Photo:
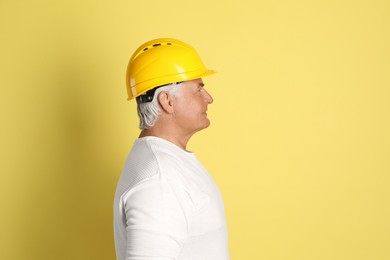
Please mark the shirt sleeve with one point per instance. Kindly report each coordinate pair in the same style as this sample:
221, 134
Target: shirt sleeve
157, 213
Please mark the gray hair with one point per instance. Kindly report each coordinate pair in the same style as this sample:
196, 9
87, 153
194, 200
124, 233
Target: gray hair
148, 112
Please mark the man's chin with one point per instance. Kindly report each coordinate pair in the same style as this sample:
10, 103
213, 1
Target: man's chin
207, 123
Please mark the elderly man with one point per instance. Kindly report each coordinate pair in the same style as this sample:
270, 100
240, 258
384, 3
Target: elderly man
167, 206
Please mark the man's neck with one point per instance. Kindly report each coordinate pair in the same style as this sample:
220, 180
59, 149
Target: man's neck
167, 135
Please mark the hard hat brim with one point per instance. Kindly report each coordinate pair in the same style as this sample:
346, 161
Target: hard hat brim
142, 87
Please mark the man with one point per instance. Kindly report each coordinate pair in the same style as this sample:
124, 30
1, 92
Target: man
167, 207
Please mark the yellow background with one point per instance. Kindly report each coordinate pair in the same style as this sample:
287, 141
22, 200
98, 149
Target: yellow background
299, 143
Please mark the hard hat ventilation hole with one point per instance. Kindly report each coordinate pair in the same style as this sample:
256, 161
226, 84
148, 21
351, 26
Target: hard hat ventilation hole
155, 45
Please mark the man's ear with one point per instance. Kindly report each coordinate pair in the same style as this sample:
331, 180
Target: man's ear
165, 101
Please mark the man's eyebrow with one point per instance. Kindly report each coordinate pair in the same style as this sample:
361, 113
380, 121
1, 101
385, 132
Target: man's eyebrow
201, 84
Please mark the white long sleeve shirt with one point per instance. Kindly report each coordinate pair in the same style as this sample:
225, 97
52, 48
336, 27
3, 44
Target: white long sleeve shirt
167, 206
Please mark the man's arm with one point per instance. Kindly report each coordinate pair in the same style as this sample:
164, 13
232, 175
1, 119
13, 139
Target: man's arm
157, 213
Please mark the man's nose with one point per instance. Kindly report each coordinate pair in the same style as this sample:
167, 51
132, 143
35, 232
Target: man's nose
209, 99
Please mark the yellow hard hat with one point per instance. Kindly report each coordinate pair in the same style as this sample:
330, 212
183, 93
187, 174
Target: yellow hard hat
160, 62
